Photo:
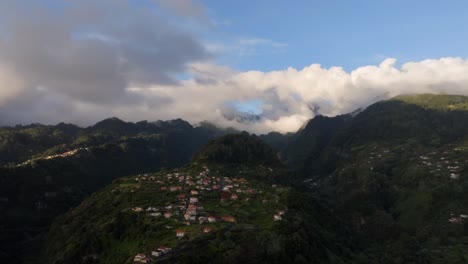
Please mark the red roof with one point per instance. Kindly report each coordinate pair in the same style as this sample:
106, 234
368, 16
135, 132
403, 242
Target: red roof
225, 195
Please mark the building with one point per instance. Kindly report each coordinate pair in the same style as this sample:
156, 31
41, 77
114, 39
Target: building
146, 260
206, 229
168, 214
155, 214
139, 257
277, 217
180, 233
175, 188
225, 195
229, 219
164, 249
186, 216
137, 209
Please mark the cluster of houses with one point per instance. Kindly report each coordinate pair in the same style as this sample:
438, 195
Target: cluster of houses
144, 258
190, 194
436, 162
65, 154
441, 164
61, 155
189, 191
376, 155
279, 216
457, 219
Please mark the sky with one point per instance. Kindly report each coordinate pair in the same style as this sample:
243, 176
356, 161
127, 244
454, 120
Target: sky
256, 65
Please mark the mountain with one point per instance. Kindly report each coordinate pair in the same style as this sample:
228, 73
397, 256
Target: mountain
21, 143
277, 140
53, 168
238, 149
307, 144
216, 210
436, 101
397, 173
387, 184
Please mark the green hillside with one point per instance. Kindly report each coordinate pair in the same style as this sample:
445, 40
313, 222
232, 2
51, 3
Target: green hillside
229, 210
435, 101
309, 142
397, 173
238, 149
386, 185
53, 168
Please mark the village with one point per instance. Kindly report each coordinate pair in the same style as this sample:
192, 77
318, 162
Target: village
48, 157
199, 203
444, 165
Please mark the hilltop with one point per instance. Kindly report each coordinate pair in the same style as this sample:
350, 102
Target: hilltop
220, 211
238, 148
436, 101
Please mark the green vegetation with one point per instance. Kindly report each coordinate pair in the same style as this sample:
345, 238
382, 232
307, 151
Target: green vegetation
386, 185
307, 145
53, 168
397, 173
437, 102
238, 149
128, 217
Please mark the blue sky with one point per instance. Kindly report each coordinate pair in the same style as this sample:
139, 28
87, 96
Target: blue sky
339, 33
81, 61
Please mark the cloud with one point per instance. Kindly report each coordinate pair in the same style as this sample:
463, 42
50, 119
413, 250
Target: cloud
83, 60
246, 47
290, 97
261, 42
90, 51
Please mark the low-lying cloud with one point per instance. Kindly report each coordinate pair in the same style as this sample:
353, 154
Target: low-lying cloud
61, 62
290, 97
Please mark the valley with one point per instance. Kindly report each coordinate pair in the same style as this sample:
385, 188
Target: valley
386, 185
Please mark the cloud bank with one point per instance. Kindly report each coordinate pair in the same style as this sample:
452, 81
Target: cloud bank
83, 60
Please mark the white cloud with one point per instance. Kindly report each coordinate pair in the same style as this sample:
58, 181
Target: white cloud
245, 47
120, 60
288, 96
261, 41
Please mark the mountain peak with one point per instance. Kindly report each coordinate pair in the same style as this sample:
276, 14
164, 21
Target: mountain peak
238, 148
435, 101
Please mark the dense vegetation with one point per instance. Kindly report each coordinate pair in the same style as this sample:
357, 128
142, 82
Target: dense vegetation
397, 173
58, 166
105, 229
239, 149
309, 142
387, 185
